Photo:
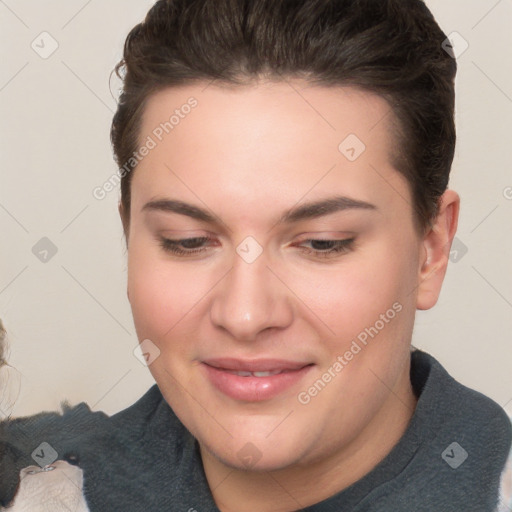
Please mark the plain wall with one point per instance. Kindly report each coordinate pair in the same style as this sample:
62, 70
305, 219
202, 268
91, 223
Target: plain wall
69, 324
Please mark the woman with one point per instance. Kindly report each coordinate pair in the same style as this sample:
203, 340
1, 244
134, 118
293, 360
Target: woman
284, 170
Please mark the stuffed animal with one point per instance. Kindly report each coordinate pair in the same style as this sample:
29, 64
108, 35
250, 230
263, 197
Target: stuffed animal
56, 487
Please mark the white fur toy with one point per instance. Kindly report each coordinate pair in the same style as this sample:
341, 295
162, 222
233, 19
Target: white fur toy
56, 487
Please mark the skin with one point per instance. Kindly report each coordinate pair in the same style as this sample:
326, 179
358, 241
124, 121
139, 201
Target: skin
247, 154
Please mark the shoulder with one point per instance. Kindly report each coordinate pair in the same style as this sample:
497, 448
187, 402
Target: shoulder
456, 407
459, 429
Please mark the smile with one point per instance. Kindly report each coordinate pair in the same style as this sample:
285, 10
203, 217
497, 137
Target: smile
254, 381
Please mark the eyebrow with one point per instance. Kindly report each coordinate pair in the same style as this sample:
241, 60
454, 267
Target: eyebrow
309, 210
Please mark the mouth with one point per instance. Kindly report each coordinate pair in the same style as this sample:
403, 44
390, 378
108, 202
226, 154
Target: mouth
254, 380
255, 374
255, 365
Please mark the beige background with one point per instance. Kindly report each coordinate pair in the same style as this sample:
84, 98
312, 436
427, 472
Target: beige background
70, 329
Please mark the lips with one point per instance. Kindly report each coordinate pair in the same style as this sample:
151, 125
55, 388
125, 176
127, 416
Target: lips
254, 380
255, 365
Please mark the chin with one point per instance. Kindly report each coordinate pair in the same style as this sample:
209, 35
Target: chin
251, 458
255, 450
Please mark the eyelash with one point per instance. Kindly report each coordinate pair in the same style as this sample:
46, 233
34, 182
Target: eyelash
340, 246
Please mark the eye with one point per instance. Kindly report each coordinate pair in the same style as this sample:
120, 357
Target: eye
328, 248
320, 248
188, 245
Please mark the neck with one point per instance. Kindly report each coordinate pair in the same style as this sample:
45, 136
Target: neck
294, 488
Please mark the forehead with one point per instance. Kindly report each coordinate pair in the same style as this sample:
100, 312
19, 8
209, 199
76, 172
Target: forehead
285, 138
293, 107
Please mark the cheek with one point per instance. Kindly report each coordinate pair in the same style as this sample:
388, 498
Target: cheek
169, 296
150, 299
369, 309
164, 295
370, 325
353, 295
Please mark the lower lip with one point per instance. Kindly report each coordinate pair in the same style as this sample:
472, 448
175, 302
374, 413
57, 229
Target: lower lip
253, 389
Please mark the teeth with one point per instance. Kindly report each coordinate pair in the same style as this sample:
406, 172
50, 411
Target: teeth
266, 374
255, 374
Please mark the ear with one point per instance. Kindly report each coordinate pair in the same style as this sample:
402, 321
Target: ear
435, 249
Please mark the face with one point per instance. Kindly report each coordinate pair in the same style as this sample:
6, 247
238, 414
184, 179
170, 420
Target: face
237, 264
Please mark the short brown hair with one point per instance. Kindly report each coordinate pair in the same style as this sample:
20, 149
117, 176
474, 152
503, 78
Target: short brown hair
389, 47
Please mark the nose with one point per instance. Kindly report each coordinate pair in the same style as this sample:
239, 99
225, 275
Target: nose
250, 299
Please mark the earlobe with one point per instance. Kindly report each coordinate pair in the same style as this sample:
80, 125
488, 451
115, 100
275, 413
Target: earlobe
436, 250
